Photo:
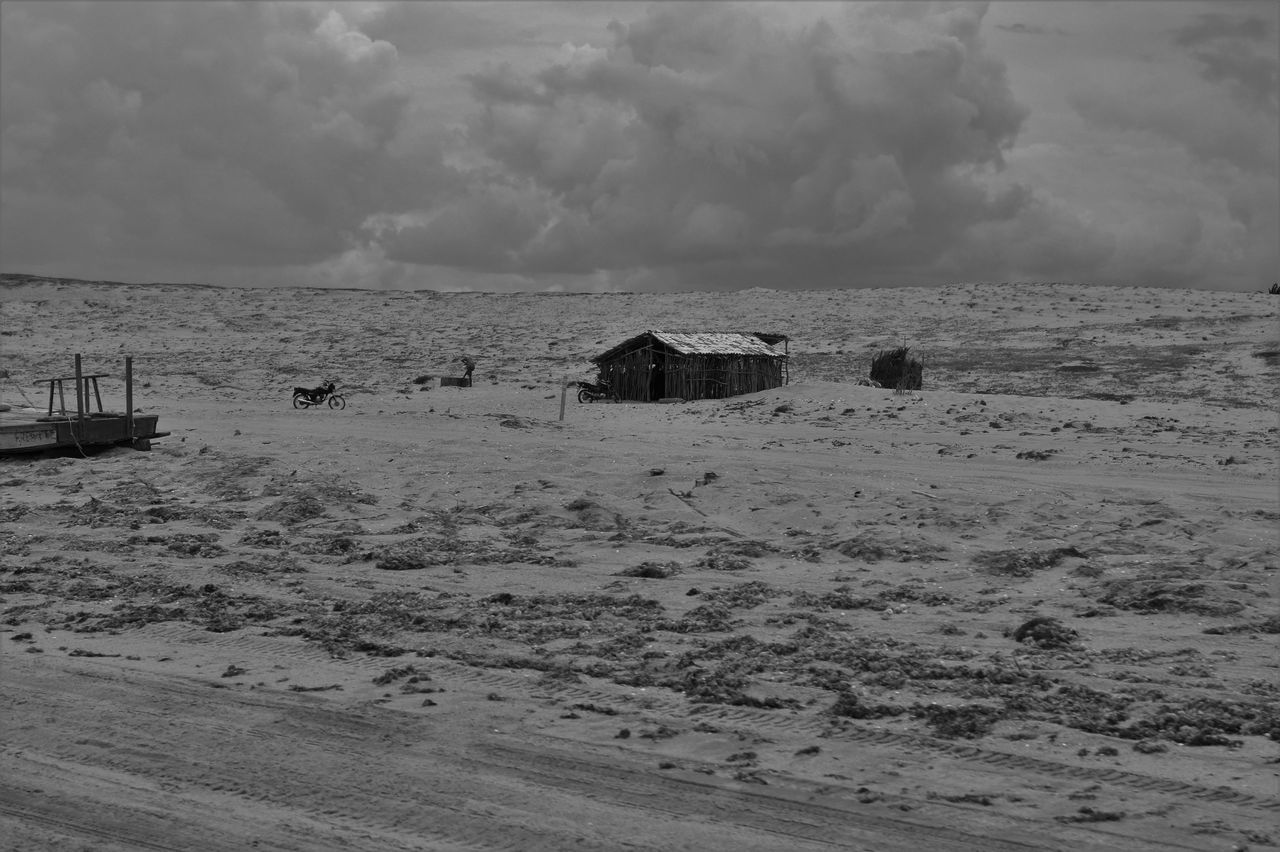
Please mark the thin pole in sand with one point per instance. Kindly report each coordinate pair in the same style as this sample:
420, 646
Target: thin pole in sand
80, 400
564, 386
128, 393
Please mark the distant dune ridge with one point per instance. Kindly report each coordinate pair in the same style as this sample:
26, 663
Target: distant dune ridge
1017, 338
1030, 605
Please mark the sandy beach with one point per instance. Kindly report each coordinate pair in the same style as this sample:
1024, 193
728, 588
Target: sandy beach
1032, 605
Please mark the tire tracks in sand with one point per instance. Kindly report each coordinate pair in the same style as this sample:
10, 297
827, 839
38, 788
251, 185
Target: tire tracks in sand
344, 764
664, 705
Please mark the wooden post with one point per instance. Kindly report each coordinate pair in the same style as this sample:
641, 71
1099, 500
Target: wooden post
128, 394
564, 388
80, 400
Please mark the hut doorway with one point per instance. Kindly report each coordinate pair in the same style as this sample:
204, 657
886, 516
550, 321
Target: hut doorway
657, 377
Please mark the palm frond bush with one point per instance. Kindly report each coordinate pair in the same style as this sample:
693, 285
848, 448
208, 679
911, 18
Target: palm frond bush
895, 368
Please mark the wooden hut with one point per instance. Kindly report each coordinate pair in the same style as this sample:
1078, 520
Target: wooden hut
662, 365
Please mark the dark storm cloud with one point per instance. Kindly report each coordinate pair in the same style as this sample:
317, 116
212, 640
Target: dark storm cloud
727, 151
687, 145
1031, 29
1212, 26
1237, 52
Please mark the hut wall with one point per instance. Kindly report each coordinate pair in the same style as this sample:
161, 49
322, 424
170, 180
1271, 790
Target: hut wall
689, 376
720, 376
629, 374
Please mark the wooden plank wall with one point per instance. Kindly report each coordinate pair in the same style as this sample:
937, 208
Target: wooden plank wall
629, 374
691, 376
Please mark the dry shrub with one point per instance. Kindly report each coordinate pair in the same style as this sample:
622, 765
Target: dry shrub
1206, 722
207, 606
895, 368
718, 560
751, 548
744, 595
258, 537
849, 706
133, 493
293, 509
970, 721
706, 618
1141, 595
869, 549
402, 562
241, 568
592, 516
1271, 625
1022, 563
394, 674
1088, 814
1045, 632
652, 570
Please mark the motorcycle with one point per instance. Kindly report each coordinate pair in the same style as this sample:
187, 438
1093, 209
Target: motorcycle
596, 391
308, 397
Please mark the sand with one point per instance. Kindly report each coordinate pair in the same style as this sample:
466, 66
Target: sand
1030, 606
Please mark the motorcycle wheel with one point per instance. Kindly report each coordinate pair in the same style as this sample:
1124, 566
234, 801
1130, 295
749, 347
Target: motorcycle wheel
584, 395
337, 403
300, 401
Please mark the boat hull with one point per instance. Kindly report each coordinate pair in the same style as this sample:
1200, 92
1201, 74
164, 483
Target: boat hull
42, 434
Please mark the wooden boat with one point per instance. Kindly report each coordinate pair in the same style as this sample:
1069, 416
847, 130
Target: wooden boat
57, 428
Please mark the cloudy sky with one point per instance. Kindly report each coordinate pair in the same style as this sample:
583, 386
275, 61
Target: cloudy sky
596, 146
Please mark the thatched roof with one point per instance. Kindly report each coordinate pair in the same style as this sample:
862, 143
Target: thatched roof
706, 343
